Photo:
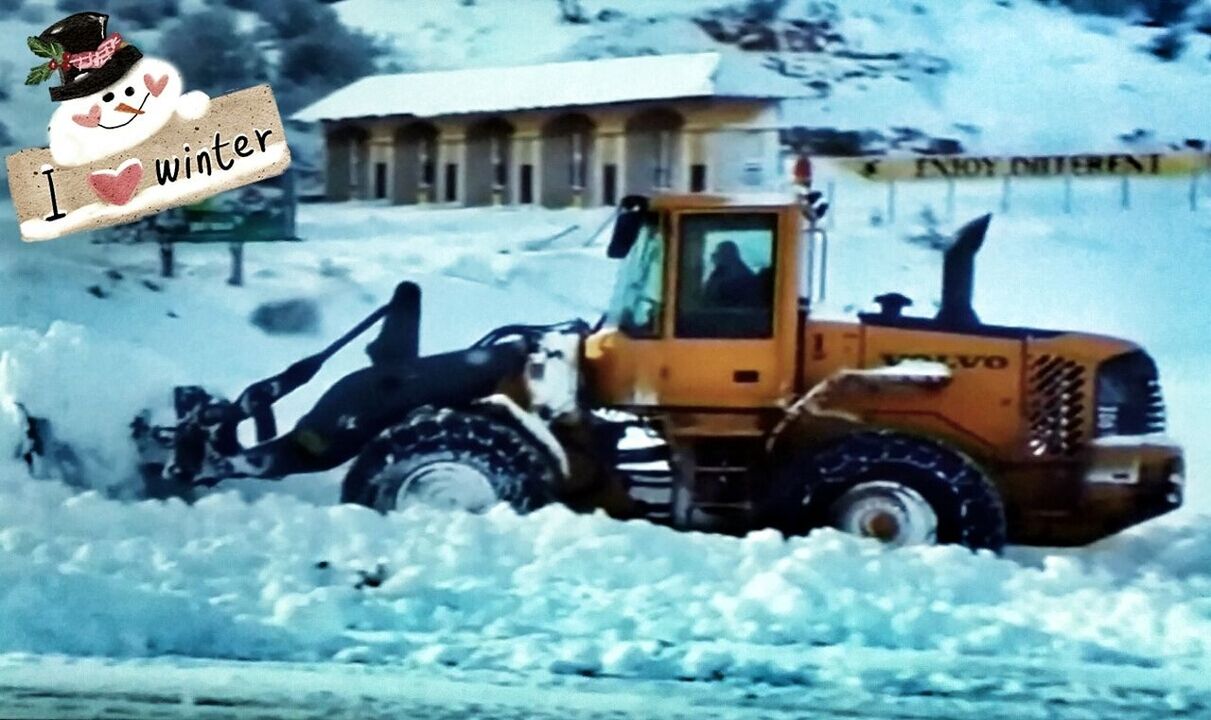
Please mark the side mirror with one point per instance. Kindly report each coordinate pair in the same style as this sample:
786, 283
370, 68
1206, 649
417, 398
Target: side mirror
632, 214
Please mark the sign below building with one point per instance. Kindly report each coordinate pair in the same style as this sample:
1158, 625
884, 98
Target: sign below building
976, 167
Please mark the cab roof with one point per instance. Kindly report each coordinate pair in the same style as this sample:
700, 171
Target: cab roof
678, 201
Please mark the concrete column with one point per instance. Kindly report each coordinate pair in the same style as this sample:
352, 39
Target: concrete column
620, 159
460, 157
535, 159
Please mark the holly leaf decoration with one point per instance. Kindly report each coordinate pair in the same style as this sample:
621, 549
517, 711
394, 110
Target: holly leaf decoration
39, 74
44, 48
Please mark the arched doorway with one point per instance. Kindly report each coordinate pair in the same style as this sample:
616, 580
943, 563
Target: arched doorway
415, 163
347, 173
653, 142
567, 160
488, 162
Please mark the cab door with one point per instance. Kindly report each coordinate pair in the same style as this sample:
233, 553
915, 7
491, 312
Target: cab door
729, 336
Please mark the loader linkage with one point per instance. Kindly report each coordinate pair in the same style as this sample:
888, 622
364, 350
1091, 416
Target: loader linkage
203, 447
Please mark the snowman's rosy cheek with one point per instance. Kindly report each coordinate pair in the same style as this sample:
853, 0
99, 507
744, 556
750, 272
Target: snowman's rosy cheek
155, 86
92, 119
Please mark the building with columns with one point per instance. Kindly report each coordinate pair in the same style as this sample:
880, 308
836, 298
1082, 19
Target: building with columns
560, 134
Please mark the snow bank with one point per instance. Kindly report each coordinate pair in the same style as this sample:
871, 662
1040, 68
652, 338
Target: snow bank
90, 387
559, 592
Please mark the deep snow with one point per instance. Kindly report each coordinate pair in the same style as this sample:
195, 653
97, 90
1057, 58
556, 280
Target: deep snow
272, 571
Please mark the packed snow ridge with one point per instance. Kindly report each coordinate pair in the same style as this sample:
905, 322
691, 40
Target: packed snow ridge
283, 579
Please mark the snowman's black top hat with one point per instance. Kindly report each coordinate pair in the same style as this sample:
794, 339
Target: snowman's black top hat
80, 35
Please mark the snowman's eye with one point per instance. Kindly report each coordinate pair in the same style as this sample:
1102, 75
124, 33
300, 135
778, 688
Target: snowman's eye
130, 91
107, 97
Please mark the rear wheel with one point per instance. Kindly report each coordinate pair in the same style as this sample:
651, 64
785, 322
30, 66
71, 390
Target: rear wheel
452, 458
896, 488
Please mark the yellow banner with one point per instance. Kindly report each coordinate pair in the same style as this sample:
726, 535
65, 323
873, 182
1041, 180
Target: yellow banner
976, 167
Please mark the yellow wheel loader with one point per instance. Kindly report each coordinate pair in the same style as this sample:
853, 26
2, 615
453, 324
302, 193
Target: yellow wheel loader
708, 397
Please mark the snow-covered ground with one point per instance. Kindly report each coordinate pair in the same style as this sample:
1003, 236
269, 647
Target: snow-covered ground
272, 571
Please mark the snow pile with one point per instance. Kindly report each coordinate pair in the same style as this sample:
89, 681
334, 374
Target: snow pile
90, 388
559, 592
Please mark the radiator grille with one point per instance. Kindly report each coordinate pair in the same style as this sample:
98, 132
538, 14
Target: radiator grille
1154, 415
1057, 403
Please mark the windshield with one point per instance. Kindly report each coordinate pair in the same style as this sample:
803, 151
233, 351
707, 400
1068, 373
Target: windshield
635, 305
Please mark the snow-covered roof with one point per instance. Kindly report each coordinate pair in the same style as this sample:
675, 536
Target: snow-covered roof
565, 84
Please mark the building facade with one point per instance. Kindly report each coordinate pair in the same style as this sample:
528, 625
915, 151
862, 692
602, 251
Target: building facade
558, 135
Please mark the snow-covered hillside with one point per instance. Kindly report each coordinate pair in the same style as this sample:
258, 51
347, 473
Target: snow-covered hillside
1005, 76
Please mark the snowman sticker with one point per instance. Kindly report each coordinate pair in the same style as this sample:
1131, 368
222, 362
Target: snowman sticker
112, 97
127, 139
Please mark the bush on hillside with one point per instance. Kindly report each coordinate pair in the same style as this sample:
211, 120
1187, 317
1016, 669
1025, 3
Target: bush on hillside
212, 54
126, 13
1156, 12
319, 55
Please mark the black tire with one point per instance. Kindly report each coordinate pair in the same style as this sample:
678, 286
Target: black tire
521, 471
804, 488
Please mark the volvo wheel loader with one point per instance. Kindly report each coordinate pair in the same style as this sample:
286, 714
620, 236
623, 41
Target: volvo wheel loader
709, 397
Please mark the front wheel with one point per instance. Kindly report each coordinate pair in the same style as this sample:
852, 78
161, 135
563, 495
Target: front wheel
899, 489
466, 460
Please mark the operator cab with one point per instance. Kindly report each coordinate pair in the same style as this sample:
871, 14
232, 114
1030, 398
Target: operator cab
724, 279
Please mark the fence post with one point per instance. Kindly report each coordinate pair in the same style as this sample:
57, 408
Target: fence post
1067, 194
1005, 195
166, 258
237, 263
950, 199
891, 201
1125, 195
831, 190
1195, 179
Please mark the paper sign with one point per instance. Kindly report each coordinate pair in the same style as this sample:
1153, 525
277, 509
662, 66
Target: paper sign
239, 140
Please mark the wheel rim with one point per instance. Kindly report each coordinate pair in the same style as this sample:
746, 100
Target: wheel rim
447, 485
890, 512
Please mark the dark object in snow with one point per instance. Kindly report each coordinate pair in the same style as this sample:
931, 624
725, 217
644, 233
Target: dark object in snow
941, 146
287, 317
572, 12
113, 274
153, 286
97, 291
371, 579
1168, 46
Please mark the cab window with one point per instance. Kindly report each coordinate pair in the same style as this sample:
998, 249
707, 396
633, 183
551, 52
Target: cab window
725, 278
635, 307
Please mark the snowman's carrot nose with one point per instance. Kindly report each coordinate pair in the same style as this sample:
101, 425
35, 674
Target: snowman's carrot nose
123, 107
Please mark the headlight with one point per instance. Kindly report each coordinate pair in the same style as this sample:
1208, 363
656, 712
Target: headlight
1129, 400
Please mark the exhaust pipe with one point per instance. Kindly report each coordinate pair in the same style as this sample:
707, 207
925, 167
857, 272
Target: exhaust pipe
958, 275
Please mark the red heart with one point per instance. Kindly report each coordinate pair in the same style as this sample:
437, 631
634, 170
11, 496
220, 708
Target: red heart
92, 119
117, 187
155, 87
